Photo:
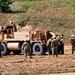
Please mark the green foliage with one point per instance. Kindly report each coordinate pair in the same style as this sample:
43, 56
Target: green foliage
26, 5
4, 6
73, 4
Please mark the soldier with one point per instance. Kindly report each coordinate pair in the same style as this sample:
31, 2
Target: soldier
49, 45
54, 44
61, 46
26, 48
14, 26
72, 40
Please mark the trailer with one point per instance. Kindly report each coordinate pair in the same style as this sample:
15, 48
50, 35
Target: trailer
12, 40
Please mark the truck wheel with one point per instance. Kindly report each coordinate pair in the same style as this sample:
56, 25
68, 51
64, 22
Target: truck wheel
3, 49
37, 49
17, 52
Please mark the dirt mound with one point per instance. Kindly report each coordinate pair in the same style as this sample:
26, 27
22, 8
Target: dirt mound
29, 27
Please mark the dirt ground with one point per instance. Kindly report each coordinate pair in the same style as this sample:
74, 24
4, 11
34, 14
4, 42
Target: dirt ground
45, 64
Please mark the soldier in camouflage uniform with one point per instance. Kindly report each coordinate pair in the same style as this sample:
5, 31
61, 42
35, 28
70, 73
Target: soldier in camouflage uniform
54, 44
72, 40
26, 47
49, 45
61, 46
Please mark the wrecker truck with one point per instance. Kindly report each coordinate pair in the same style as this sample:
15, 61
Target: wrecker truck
12, 40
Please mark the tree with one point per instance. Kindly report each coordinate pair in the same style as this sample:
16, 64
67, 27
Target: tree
4, 6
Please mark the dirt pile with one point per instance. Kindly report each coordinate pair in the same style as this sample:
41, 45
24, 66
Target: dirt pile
29, 27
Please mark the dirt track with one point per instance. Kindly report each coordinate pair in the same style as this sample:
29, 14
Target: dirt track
13, 64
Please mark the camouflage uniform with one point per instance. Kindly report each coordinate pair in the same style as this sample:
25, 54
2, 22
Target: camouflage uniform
49, 46
26, 48
73, 44
54, 45
62, 45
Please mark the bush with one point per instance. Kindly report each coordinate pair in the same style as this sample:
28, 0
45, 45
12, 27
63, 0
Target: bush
73, 4
26, 5
4, 6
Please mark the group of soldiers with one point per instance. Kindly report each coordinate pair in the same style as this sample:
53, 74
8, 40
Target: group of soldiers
55, 45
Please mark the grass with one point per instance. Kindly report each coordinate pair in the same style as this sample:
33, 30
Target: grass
38, 5
57, 15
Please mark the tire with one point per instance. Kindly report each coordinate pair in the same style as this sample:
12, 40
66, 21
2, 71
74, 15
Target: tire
37, 49
16, 52
3, 49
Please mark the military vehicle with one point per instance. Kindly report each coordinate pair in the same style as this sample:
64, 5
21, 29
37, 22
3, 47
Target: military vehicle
12, 40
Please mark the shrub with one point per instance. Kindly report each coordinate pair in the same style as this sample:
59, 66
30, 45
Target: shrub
73, 4
4, 6
26, 5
